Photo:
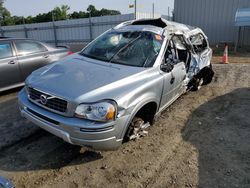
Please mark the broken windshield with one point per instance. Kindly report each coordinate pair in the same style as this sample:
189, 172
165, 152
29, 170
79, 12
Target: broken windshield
137, 48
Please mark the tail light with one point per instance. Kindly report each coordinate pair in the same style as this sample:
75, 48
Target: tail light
69, 53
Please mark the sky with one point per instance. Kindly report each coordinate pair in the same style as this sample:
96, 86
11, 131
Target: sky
34, 7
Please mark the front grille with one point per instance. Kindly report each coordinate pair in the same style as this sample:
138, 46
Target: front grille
50, 101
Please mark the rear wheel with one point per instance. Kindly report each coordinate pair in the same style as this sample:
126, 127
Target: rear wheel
208, 75
198, 83
204, 77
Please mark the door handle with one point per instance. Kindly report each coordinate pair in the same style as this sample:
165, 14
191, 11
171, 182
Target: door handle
172, 80
12, 62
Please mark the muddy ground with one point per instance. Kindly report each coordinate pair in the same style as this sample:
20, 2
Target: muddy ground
202, 140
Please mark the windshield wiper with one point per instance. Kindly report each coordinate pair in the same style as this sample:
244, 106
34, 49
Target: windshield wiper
124, 47
94, 57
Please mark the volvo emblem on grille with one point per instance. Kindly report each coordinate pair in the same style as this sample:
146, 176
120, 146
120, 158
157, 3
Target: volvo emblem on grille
43, 99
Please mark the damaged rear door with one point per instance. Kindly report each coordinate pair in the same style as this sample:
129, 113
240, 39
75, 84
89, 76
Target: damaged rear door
202, 54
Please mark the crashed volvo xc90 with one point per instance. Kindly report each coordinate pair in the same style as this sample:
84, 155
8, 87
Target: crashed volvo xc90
114, 88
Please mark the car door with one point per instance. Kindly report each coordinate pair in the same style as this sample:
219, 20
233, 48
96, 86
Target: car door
180, 68
206, 53
31, 56
168, 90
202, 53
9, 68
179, 74
172, 80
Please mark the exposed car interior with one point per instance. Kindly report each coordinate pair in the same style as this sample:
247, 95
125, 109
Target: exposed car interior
199, 43
177, 51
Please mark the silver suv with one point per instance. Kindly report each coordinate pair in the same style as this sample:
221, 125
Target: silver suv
114, 88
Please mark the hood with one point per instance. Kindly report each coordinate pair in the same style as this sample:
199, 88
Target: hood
77, 75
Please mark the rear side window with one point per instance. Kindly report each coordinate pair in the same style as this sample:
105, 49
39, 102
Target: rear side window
199, 43
29, 47
5, 50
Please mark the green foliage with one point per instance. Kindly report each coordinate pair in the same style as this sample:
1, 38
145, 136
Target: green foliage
58, 13
103, 12
5, 15
61, 13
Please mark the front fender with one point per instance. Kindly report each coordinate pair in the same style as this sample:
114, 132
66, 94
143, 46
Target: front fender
132, 102
135, 109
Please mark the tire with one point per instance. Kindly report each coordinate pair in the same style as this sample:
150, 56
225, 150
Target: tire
136, 122
204, 77
208, 75
197, 83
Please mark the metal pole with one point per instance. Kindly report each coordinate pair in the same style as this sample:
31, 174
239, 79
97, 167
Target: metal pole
25, 29
168, 13
1, 29
242, 37
1, 18
2, 32
135, 9
153, 10
237, 39
54, 29
239, 36
90, 27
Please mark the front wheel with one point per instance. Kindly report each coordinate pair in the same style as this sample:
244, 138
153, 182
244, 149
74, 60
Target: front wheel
137, 128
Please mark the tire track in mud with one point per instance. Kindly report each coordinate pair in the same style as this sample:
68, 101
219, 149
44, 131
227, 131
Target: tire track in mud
158, 179
168, 163
178, 147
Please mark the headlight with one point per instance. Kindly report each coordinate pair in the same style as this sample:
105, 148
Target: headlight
101, 111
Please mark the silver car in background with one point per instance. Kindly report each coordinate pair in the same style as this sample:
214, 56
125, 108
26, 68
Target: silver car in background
20, 57
113, 89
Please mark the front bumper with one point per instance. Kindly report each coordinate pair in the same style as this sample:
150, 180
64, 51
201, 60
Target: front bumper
99, 136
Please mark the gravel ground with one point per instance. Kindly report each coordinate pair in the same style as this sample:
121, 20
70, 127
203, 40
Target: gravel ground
202, 140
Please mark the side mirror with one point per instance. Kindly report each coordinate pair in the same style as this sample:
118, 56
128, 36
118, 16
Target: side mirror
167, 67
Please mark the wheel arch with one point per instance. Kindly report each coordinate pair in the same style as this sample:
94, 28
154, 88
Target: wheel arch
139, 109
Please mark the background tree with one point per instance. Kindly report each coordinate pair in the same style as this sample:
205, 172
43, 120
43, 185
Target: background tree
80, 14
106, 12
5, 15
92, 10
59, 13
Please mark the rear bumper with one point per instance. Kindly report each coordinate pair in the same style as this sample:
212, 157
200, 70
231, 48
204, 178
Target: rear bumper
99, 136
